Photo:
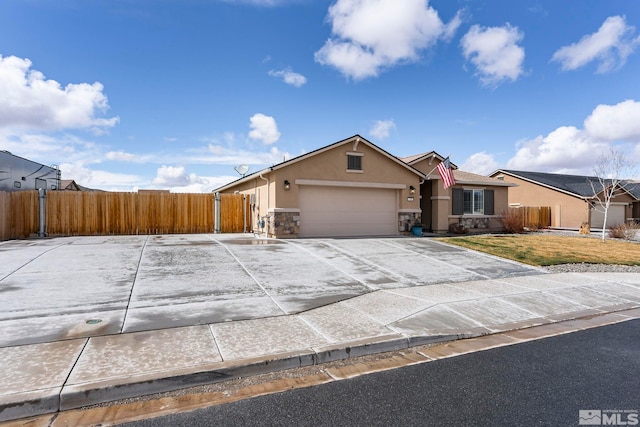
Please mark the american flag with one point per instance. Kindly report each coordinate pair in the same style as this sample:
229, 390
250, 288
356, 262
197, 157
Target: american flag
444, 169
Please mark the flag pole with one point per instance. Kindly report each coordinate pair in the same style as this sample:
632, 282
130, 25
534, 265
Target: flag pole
429, 174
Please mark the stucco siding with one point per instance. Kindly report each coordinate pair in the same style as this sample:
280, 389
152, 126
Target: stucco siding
567, 211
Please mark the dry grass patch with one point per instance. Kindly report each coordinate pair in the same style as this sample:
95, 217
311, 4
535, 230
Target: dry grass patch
541, 250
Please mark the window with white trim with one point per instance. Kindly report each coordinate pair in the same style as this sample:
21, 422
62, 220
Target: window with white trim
473, 202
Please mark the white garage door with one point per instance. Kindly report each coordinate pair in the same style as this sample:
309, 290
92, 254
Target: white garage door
615, 216
339, 211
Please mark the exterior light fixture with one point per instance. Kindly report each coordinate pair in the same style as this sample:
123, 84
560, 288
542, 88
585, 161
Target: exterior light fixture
412, 189
287, 185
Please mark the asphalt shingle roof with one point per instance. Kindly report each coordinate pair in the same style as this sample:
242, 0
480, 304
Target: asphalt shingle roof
579, 185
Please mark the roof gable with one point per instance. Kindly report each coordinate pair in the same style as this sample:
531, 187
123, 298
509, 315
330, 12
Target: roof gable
354, 141
431, 155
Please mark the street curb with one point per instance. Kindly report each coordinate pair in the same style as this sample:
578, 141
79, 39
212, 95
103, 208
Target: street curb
74, 396
80, 395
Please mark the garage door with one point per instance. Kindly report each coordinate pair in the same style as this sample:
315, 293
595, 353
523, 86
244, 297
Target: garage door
339, 211
615, 216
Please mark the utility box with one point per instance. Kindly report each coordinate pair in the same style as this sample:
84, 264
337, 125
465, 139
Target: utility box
19, 174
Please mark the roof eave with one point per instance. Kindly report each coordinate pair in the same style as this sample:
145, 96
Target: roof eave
551, 187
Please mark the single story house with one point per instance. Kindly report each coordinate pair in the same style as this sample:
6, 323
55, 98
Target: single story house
72, 185
355, 188
571, 197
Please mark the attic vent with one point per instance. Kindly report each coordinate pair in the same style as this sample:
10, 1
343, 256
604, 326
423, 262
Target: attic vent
354, 162
500, 177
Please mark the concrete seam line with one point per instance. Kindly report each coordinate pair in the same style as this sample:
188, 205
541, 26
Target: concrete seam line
436, 260
33, 259
64, 383
135, 277
373, 288
249, 273
313, 328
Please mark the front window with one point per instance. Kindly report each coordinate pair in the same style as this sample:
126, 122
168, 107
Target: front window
473, 202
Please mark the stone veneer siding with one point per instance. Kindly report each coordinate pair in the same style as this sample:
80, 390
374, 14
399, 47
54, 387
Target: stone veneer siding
406, 221
475, 222
285, 224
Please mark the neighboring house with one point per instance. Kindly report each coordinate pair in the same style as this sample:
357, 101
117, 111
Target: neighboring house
571, 198
71, 185
18, 174
355, 188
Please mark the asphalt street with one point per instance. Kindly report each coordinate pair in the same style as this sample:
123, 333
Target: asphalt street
548, 382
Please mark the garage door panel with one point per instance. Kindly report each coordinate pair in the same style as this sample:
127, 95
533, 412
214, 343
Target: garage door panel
615, 216
337, 211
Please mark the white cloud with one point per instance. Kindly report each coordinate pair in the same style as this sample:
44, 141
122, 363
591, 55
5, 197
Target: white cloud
565, 150
29, 101
381, 128
171, 176
99, 179
620, 122
480, 163
264, 128
609, 46
231, 156
120, 156
370, 35
289, 77
495, 53
202, 184
177, 180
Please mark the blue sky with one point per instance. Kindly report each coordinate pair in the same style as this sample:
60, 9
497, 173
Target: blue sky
129, 94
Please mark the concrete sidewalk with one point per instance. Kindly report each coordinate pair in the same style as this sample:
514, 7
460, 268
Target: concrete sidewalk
51, 376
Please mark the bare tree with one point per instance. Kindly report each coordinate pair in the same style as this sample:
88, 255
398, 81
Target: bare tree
610, 170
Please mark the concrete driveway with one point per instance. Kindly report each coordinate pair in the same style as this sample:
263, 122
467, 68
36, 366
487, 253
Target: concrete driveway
74, 287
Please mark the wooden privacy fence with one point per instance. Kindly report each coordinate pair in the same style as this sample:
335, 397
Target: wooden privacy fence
534, 216
73, 213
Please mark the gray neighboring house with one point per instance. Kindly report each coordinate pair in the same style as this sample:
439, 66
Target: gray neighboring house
571, 197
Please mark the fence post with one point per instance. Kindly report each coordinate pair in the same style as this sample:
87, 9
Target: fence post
42, 212
216, 226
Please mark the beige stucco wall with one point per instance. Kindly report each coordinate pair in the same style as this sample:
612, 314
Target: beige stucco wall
566, 211
441, 213
329, 165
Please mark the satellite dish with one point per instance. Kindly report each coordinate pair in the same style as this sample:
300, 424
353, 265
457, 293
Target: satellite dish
242, 169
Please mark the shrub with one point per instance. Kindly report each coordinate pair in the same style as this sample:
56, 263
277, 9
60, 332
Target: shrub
512, 221
458, 229
624, 231
585, 228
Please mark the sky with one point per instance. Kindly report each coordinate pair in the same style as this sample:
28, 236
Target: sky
174, 94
